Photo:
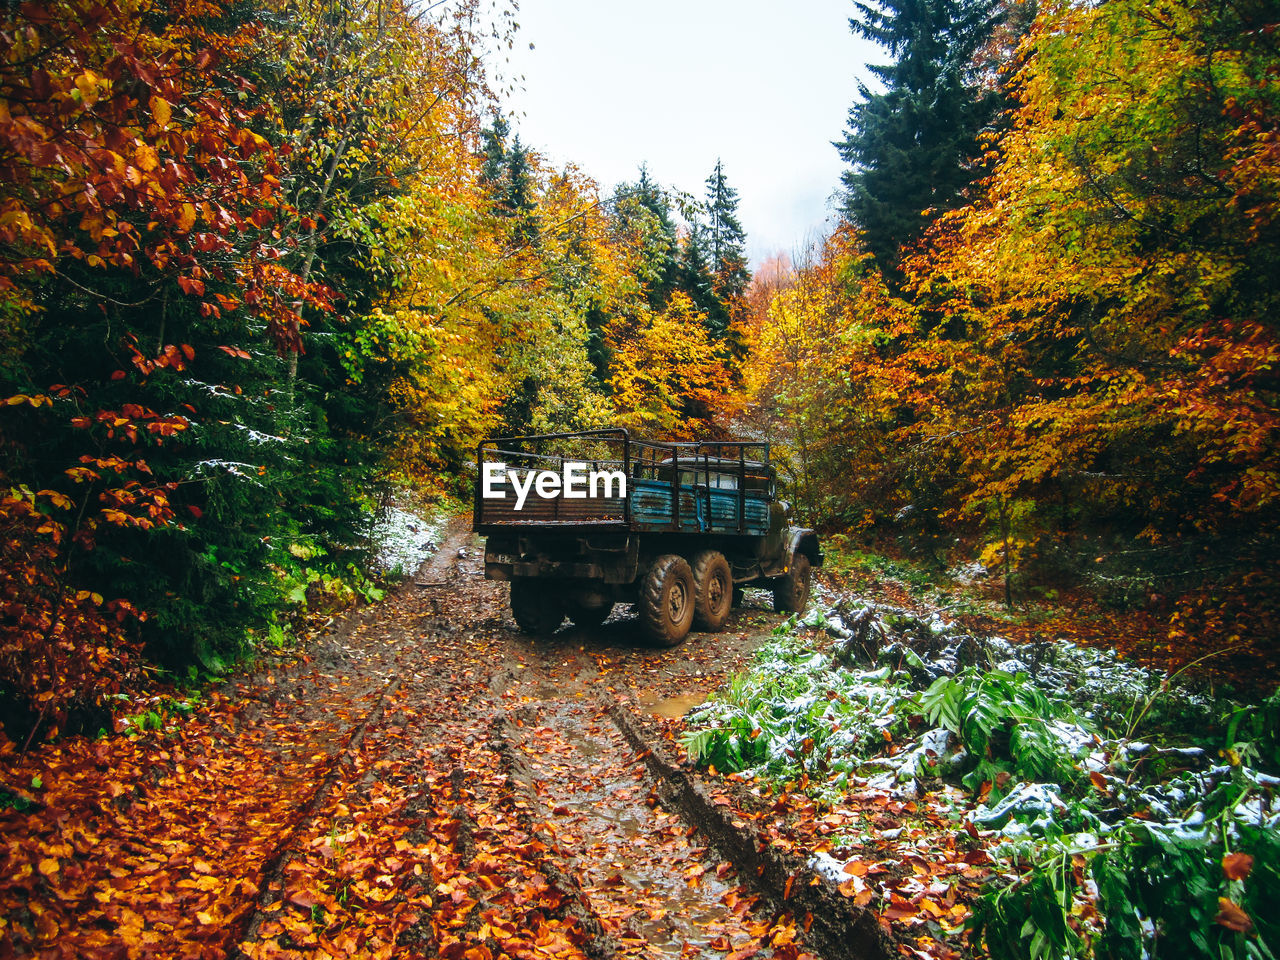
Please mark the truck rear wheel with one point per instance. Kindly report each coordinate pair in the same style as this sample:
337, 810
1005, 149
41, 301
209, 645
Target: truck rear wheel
667, 600
791, 591
537, 607
714, 582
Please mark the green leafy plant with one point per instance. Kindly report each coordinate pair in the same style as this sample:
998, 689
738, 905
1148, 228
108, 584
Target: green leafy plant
998, 716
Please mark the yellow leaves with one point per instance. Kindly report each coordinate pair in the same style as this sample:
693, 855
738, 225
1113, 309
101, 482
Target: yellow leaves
88, 85
146, 159
16, 217
59, 500
161, 112
668, 375
186, 217
37, 401
48, 866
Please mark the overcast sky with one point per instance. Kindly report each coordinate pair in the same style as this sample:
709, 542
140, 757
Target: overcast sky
765, 86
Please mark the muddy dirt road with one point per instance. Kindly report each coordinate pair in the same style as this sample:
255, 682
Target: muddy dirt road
504, 764
421, 781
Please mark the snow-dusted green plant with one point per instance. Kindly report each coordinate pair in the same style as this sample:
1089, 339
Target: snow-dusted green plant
1004, 720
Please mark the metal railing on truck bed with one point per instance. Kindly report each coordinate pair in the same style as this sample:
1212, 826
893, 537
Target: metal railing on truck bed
605, 479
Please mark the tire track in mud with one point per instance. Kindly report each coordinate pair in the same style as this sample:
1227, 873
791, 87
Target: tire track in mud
273, 869
834, 925
655, 890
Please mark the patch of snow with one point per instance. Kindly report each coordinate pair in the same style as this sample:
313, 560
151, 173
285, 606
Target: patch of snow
1037, 800
257, 436
1074, 738
403, 540
245, 471
968, 573
825, 865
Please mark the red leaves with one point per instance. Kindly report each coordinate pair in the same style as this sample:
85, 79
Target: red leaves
65, 649
60, 648
171, 871
191, 286
124, 115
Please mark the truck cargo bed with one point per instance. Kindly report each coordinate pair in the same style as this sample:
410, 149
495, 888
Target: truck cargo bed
723, 488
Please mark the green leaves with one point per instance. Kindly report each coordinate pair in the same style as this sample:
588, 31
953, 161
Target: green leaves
796, 714
1000, 715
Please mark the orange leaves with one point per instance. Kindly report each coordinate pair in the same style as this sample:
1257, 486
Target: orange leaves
171, 868
1232, 917
191, 286
1236, 866
64, 648
121, 183
184, 220
1070, 350
161, 112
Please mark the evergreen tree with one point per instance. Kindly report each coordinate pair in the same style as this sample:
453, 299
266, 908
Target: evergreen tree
726, 239
495, 150
519, 200
727, 246
913, 146
509, 175
643, 210
696, 280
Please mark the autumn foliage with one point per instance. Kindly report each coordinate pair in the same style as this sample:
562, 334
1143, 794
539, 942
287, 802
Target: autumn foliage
1078, 372
131, 178
260, 262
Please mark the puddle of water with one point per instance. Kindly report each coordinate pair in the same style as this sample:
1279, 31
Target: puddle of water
673, 708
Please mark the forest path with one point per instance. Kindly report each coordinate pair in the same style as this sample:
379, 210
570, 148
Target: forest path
515, 816
544, 829
422, 781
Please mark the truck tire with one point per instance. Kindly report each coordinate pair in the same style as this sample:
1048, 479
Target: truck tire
589, 616
537, 607
791, 591
667, 599
713, 580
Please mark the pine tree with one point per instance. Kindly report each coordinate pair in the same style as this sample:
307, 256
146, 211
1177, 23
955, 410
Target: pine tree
519, 200
495, 150
725, 236
643, 210
696, 279
727, 247
913, 146
509, 175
